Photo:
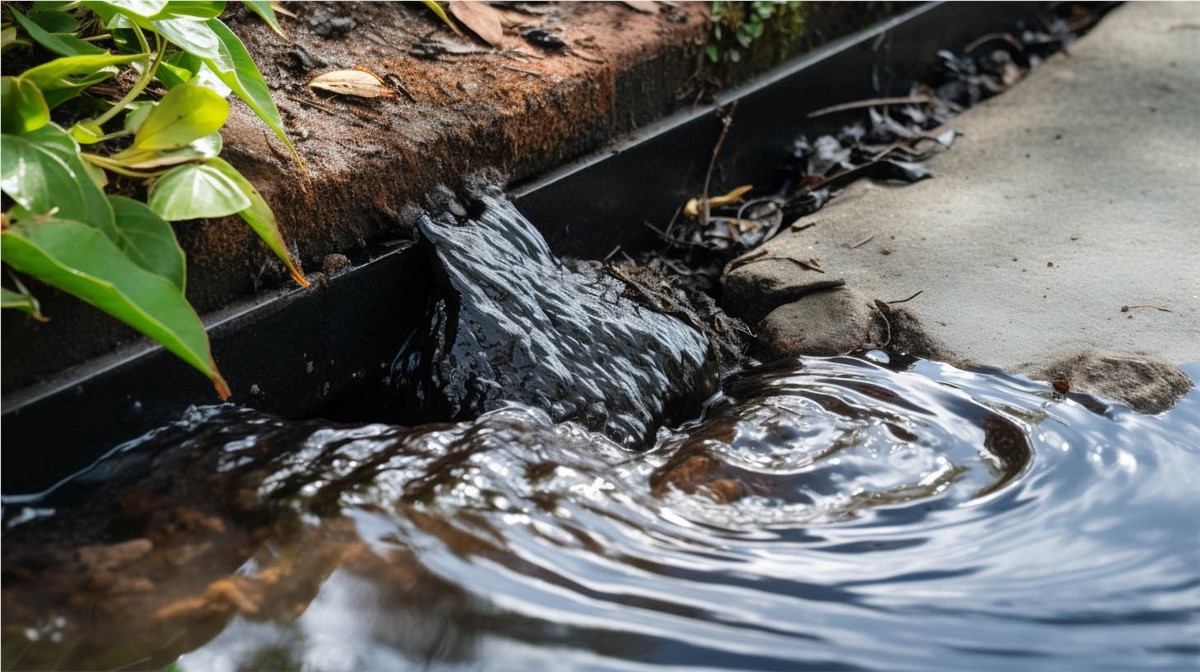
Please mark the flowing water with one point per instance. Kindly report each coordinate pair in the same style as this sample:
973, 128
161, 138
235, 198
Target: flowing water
823, 513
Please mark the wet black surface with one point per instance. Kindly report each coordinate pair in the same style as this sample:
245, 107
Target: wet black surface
510, 322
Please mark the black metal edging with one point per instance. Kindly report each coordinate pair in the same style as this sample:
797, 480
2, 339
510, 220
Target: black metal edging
296, 351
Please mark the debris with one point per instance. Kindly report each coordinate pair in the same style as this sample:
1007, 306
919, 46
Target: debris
359, 83
692, 208
642, 6
540, 37
862, 242
1126, 309
480, 18
871, 102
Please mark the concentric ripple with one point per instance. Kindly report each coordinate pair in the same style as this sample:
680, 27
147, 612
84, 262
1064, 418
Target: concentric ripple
833, 514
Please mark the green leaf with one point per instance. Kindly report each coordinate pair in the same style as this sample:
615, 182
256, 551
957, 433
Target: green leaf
53, 21
43, 173
87, 132
186, 113
436, 8
172, 75
80, 260
195, 191
192, 35
8, 38
74, 71
196, 8
143, 9
263, 9
63, 45
136, 113
24, 108
260, 218
200, 150
235, 67
21, 301
149, 241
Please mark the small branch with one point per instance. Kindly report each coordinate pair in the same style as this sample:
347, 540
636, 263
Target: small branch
712, 162
862, 242
870, 102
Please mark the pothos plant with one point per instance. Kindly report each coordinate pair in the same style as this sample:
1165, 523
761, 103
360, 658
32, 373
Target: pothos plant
112, 251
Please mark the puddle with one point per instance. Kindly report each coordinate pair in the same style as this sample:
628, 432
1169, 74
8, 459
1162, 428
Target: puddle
823, 513
834, 514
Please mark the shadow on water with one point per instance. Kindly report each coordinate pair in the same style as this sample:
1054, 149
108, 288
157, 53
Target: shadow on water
842, 513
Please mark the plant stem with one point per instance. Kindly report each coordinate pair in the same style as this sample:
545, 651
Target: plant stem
108, 164
148, 70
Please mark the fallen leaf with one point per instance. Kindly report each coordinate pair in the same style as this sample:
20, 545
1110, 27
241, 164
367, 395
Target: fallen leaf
643, 6
360, 83
1061, 385
692, 209
480, 18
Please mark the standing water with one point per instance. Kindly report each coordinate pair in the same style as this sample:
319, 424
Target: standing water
827, 514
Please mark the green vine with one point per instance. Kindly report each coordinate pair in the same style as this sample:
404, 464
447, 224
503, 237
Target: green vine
60, 226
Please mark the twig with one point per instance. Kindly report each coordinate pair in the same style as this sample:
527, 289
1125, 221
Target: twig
311, 104
891, 303
1126, 309
871, 102
712, 162
531, 73
862, 242
1004, 37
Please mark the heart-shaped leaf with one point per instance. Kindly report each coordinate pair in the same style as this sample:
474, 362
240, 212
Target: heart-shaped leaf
43, 173
186, 113
260, 218
149, 241
23, 108
195, 191
80, 260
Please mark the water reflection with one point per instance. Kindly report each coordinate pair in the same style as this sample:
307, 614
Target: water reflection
835, 514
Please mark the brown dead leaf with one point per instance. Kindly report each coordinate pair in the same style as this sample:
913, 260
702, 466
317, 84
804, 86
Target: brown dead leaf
359, 83
480, 18
643, 6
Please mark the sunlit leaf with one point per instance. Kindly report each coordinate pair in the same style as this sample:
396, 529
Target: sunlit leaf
21, 301
194, 8
136, 113
260, 218
8, 38
235, 67
195, 191
73, 71
24, 108
63, 45
148, 240
42, 171
186, 113
358, 83
81, 261
192, 35
200, 149
86, 132
436, 8
264, 10
144, 9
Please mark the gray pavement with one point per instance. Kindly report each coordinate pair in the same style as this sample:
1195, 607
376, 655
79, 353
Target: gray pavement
1070, 196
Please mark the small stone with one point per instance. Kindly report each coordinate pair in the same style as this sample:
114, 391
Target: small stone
831, 322
1144, 383
755, 289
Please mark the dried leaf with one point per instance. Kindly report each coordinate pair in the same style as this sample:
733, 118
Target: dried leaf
643, 6
360, 83
480, 18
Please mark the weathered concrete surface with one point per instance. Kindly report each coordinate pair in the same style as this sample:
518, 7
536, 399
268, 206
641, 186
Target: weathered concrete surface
1068, 198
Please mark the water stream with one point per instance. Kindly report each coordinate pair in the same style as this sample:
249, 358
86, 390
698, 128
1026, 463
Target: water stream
854, 513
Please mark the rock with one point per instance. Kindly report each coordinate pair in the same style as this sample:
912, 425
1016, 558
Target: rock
1145, 383
831, 322
758, 287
